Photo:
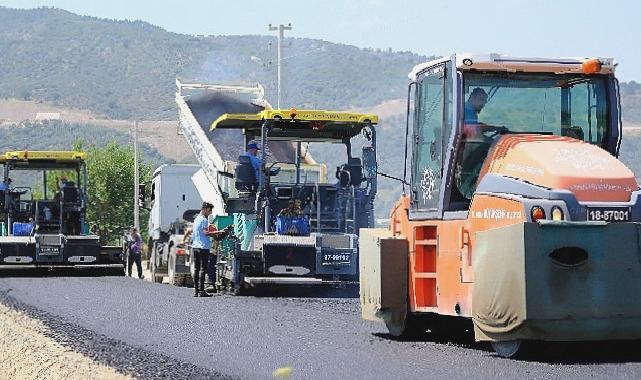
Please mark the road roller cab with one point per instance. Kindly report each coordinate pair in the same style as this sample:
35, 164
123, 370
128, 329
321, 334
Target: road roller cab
517, 213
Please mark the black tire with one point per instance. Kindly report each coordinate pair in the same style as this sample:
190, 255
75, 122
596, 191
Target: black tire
125, 259
229, 287
236, 289
414, 326
178, 280
154, 276
507, 348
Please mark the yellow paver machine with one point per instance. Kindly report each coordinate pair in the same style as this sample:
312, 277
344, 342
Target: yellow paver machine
43, 204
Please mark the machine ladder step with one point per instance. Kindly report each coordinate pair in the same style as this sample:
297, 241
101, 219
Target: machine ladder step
425, 266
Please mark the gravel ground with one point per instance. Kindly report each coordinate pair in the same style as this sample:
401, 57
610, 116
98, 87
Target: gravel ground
27, 351
56, 349
250, 337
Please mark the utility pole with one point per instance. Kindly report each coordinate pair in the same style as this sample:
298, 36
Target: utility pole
281, 35
136, 208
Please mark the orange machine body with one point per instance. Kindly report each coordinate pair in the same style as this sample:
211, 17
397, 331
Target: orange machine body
519, 216
440, 271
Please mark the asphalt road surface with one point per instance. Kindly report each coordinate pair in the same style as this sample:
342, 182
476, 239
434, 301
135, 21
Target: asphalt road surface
159, 331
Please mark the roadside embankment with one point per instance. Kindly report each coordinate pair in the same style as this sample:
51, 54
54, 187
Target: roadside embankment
27, 352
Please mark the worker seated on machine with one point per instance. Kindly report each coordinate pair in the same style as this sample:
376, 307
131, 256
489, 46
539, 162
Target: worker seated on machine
473, 106
252, 153
474, 151
472, 128
4, 188
67, 191
14, 196
350, 174
67, 200
248, 169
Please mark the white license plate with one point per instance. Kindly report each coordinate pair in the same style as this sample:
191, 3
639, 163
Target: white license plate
336, 258
609, 214
49, 250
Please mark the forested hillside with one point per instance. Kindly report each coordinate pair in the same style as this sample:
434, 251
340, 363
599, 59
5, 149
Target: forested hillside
51, 135
631, 101
631, 152
126, 69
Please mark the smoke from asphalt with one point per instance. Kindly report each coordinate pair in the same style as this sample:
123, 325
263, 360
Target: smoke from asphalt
208, 107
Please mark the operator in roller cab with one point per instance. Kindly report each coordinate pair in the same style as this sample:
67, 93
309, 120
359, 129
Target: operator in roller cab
293, 225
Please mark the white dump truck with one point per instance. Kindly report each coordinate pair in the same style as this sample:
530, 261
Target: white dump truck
177, 192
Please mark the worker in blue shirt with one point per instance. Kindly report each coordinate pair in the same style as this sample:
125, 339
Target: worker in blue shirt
200, 247
5, 186
473, 106
252, 153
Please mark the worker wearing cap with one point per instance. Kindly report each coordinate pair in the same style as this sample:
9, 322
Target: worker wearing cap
252, 153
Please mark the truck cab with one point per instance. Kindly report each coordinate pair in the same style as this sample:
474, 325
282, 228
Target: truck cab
177, 192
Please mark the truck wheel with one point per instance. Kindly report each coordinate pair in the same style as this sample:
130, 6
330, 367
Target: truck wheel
126, 265
154, 276
234, 289
237, 290
177, 280
506, 348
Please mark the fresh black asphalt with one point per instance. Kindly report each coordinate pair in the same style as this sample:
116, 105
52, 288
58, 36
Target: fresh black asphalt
159, 331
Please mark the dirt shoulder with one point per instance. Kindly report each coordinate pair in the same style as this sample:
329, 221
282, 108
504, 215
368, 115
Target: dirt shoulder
26, 352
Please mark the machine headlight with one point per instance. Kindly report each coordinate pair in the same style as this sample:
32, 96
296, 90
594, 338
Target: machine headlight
557, 213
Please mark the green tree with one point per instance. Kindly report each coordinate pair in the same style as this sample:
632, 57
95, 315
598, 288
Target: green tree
111, 189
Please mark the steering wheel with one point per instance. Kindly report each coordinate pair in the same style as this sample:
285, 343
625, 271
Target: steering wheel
491, 131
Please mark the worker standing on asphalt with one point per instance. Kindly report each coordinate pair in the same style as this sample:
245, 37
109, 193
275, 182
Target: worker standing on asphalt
200, 246
135, 249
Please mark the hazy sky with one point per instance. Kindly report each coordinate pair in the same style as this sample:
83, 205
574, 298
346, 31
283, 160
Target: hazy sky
524, 28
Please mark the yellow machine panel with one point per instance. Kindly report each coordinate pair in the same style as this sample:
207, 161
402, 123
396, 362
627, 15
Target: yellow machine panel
61, 156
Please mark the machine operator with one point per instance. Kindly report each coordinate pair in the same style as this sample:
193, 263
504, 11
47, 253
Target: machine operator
252, 153
473, 106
